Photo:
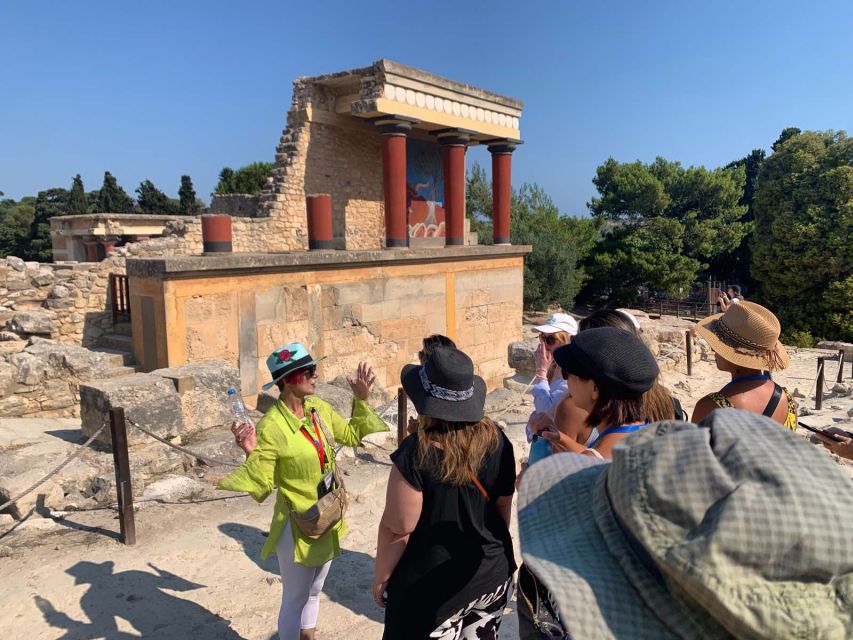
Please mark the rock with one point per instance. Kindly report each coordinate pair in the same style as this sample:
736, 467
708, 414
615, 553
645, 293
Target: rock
58, 292
31, 369
842, 389
847, 347
520, 356
850, 412
796, 393
13, 406
499, 399
78, 362
804, 411
148, 400
202, 388
174, 489
376, 398
16, 263
8, 336
8, 379
33, 322
43, 279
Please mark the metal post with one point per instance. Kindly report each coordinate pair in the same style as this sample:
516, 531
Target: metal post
402, 417
818, 399
840, 376
689, 344
118, 431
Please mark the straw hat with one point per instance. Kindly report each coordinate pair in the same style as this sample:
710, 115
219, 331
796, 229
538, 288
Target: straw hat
747, 334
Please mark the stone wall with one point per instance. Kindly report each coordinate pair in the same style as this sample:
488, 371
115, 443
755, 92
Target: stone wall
240, 205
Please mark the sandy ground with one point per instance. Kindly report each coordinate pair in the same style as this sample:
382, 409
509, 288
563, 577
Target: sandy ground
195, 571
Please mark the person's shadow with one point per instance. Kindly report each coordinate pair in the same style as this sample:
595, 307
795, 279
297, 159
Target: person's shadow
138, 598
350, 579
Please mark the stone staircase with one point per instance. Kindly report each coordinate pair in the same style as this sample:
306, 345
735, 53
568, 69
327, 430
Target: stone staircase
119, 345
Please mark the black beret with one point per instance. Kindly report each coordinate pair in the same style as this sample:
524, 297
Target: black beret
613, 358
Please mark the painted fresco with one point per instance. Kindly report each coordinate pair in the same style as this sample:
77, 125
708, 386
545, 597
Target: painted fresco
424, 189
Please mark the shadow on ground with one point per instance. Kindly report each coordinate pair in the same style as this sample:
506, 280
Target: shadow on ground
350, 577
137, 597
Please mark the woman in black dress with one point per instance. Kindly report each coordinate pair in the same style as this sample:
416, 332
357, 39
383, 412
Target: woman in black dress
444, 559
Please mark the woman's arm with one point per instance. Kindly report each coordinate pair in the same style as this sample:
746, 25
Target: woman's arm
403, 505
702, 409
255, 475
504, 506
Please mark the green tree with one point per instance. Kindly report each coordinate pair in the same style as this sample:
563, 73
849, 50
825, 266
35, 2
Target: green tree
802, 258
15, 221
151, 200
49, 203
250, 179
77, 202
188, 205
478, 203
112, 198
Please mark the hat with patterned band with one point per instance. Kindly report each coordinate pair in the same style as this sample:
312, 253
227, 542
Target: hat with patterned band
286, 359
445, 387
747, 334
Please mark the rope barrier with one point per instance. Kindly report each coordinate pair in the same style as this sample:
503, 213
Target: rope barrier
518, 397
206, 459
56, 470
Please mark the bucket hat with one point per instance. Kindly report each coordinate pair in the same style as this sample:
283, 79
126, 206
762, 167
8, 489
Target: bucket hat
732, 527
747, 334
559, 322
445, 386
286, 359
612, 357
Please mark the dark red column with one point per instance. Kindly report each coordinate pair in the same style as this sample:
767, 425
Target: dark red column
319, 208
501, 189
216, 233
453, 144
394, 131
92, 251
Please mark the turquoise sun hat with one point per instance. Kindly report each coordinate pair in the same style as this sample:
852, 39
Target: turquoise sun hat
286, 359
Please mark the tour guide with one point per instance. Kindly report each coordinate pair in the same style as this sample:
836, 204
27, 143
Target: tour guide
294, 450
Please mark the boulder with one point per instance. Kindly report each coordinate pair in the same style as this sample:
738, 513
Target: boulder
13, 406
837, 346
78, 362
16, 263
33, 322
174, 489
149, 401
8, 379
520, 356
377, 397
58, 292
202, 388
30, 369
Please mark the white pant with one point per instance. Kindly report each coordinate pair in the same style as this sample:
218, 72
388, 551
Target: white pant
301, 586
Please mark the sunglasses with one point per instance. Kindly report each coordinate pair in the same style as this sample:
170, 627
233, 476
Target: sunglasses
547, 338
295, 377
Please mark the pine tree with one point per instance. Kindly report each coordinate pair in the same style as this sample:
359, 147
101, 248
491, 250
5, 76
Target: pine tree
77, 202
188, 205
112, 198
152, 200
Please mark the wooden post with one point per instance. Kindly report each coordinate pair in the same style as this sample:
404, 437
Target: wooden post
689, 344
818, 398
660, 311
118, 431
402, 417
840, 376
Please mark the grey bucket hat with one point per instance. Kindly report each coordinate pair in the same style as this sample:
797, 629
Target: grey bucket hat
734, 527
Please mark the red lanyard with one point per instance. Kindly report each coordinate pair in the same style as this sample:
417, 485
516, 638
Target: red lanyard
318, 443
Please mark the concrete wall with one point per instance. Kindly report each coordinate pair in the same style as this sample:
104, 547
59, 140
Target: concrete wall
349, 313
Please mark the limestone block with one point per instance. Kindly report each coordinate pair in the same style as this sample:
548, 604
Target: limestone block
148, 400
77, 362
13, 406
33, 322
396, 288
16, 263
175, 488
31, 369
59, 291
520, 355
202, 387
8, 379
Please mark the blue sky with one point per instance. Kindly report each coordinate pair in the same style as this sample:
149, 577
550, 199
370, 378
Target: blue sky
151, 90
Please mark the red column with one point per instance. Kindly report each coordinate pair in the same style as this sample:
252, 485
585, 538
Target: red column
92, 251
216, 233
501, 189
394, 133
319, 221
453, 146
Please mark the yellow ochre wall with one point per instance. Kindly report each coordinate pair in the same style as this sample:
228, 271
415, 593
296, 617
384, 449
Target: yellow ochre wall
375, 313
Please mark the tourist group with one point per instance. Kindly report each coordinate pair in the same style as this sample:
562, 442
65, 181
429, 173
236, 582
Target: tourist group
635, 520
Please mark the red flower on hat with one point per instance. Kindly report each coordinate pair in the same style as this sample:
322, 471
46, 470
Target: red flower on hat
284, 355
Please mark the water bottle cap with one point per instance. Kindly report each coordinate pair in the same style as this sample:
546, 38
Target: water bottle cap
232, 391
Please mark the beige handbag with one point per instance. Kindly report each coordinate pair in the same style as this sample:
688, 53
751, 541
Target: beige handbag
324, 514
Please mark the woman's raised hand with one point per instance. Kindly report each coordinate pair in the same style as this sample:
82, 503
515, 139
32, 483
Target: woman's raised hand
364, 379
542, 359
244, 434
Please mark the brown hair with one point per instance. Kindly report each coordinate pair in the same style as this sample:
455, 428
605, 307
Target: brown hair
657, 403
610, 412
608, 318
561, 338
454, 451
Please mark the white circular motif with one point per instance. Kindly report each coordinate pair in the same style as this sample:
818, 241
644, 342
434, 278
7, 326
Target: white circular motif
399, 94
480, 114
439, 104
430, 101
389, 91
420, 99
488, 117
410, 97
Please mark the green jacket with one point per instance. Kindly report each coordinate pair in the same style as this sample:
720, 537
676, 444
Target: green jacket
286, 459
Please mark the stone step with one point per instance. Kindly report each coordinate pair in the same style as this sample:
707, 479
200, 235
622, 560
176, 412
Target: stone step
116, 341
122, 328
119, 356
117, 372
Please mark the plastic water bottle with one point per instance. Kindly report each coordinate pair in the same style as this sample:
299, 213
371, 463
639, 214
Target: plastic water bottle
539, 449
238, 408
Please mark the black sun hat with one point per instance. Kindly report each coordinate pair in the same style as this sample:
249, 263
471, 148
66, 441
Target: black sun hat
612, 357
445, 386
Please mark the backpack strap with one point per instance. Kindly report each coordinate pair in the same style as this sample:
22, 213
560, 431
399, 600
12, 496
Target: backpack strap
479, 485
770, 409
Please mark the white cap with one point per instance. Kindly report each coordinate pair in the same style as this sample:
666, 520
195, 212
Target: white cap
630, 317
559, 322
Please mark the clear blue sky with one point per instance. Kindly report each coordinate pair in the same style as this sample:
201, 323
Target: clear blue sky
154, 89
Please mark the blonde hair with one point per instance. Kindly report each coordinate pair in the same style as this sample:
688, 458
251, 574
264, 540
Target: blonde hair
657, 403
454, 451
561, 338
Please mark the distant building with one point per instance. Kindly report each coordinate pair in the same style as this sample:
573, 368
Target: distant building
91, 237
